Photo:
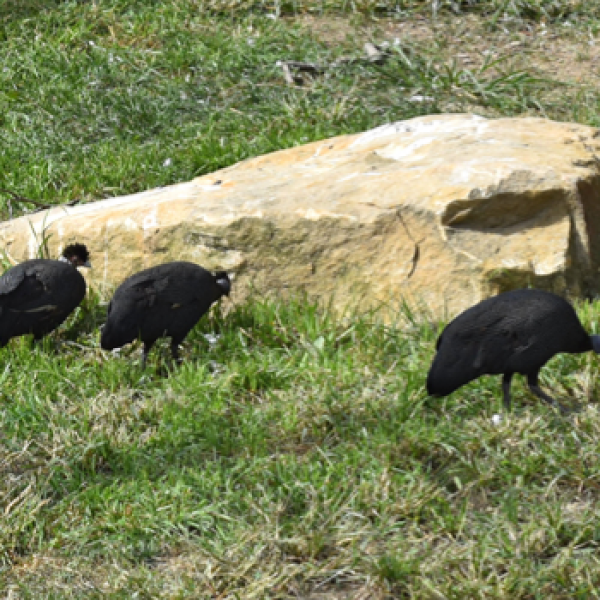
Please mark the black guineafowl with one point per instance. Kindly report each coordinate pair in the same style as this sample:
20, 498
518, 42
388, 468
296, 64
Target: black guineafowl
37, 295
163, 301
514, 332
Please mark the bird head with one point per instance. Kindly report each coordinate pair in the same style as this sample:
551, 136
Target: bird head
223, 282
77, 255
595, 343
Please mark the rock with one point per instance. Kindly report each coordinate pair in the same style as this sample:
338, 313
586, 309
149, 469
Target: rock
438, 211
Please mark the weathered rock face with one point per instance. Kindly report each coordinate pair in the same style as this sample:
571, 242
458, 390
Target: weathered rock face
440, 211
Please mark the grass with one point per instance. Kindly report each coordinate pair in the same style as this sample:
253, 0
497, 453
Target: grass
295, 453
100, 99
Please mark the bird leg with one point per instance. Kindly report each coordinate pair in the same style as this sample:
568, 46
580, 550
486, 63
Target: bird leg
175, 351
532, 382
506, 379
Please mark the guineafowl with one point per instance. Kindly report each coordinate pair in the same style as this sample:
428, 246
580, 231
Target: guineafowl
163, 301
37, 295
514, 332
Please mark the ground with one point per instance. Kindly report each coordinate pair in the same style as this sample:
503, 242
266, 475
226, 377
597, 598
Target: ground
556, 52
294, 453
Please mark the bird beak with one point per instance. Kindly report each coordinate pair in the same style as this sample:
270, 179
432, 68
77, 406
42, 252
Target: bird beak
87, 264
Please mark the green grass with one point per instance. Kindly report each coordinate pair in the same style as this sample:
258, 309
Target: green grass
297, 456
297, 452
100, 99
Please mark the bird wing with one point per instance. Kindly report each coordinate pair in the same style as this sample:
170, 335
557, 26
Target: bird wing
140, 303
21, 290
30, 280
168, 289
146, 291
488, 342
11, 280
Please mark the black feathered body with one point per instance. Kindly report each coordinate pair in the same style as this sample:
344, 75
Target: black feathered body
36, 296
163, 301
514, 332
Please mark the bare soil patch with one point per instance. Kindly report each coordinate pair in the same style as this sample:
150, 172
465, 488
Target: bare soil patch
560, 53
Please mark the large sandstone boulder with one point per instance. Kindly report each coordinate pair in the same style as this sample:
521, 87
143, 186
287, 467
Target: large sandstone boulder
437, 211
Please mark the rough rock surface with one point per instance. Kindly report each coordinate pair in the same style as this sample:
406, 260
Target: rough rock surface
440, 211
